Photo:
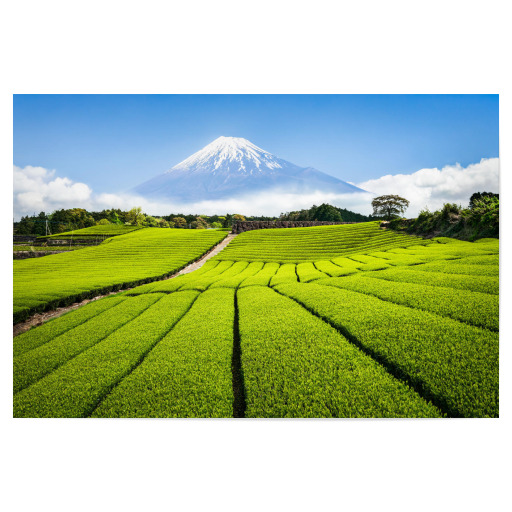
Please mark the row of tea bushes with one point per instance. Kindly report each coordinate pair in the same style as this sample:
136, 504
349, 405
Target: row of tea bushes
295, 245
188, 374
450, 363
78, 384
122, 262
295, 365
474, 308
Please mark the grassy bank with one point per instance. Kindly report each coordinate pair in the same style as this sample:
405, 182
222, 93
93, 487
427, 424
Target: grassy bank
480, 221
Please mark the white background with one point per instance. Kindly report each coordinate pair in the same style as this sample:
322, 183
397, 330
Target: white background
255, 47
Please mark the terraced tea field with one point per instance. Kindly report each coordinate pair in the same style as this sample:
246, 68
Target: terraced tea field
94, 231
120, 262
367, 323
321, 242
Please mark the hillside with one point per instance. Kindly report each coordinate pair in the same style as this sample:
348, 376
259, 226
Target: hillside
338, 321
313, 243
94, 231
125, 260
480, 220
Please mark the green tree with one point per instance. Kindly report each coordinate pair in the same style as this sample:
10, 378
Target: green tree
114, 218
103, 222
486, 210
389, 206
326, 212
480, 195
151, 222
162, 223
237, 216
67, 220
199, 223
216, 225
135, 216
226, 223
29, 226
179, 222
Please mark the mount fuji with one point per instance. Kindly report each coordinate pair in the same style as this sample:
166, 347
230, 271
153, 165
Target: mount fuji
234, 167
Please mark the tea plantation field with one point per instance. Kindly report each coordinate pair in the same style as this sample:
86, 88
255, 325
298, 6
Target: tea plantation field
122, 261
94, 231
331, 321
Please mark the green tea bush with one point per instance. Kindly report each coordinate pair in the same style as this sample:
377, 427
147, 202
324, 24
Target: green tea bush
474, 308
36, 363
188, 373
263, 277
450, 363
53, 328
122, 262
309, 272
482, 284
77, 386
295, 365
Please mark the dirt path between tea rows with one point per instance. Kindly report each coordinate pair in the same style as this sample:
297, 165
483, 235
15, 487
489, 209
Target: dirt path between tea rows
41, 318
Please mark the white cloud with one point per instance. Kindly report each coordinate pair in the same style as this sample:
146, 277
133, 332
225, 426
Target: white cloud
432, 188
37, 189
264, 203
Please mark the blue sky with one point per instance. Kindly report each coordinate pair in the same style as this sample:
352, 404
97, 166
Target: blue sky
114, 142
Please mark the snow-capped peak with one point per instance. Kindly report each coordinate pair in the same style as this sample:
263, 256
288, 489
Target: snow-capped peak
235, 153
231, 166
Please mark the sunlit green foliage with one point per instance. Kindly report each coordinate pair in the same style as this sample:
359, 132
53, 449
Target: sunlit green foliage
482, 284
451, 363
295, 245
34, 364
295, 365
188, 373
285, 274
263, 277
53, 328
76, 387
120, 262
359, 324
308, 272
474, 308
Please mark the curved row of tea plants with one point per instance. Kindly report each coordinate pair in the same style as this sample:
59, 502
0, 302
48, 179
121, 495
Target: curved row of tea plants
295, 365
448, 362
295, 245
121, 262
94, 231
39, 248
402, 332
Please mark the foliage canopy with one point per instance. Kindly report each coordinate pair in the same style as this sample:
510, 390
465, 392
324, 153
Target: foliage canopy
389, 206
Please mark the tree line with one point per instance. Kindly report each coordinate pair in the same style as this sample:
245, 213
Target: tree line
326, 212
63, 220
384, 207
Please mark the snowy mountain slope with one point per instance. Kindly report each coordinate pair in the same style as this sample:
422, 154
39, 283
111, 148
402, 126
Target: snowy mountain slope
231, 167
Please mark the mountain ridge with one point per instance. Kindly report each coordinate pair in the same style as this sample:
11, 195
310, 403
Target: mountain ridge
234, 166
